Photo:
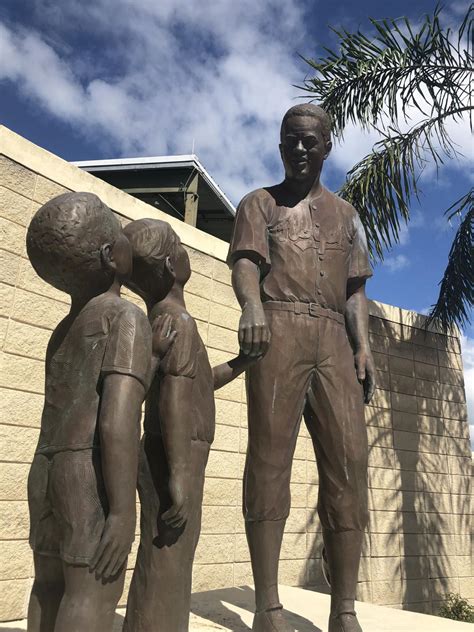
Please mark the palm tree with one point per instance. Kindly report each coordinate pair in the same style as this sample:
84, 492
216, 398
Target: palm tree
385, 82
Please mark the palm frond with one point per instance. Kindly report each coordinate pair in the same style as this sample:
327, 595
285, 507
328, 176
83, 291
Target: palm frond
396, 70
382, 185
456, 295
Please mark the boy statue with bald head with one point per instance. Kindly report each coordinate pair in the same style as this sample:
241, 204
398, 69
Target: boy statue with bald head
299, 265
81, 487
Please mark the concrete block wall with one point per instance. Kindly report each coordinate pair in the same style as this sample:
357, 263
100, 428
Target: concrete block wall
417, 546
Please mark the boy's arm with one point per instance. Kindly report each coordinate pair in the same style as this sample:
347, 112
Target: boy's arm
119, 431
228, 371
357, 323
175, 411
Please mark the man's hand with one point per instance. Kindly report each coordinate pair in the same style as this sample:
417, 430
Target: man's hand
177, 514
254, 333
114, 546
365, 368
163, 335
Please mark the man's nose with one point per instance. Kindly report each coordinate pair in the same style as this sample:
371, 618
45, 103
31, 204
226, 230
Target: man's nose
299, 147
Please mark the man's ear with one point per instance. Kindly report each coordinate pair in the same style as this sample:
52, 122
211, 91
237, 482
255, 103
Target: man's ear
328, 149
107, 257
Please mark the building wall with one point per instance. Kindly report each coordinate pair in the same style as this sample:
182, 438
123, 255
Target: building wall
417, 547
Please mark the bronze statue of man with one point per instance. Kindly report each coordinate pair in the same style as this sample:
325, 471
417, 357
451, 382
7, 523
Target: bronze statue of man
299, 265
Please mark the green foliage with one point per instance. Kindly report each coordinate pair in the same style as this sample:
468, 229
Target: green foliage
399, 75
457, 608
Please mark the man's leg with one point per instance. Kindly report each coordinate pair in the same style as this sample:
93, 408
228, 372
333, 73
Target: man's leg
89, 603
46, 593
276, 389
334, 415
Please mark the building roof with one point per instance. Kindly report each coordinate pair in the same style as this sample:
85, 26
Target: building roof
170, 183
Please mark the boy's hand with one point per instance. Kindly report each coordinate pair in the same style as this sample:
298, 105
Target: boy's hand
114, 546
163, 335
177, 514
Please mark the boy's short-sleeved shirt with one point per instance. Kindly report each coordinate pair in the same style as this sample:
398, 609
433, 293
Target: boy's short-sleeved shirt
306, 252
109, 335
188, 358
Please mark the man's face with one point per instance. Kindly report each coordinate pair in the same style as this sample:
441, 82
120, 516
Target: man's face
303, 148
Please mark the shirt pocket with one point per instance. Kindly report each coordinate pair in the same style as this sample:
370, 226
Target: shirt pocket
279, 232
332, 244
300, 235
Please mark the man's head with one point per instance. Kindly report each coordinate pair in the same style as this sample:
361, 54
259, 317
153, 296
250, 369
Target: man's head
305, 141
76, 244
158, 259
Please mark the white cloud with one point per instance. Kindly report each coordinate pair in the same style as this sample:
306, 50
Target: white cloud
166, 74
216, 74
396, 263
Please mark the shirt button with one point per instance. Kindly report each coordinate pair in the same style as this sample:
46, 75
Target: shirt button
322, 273
317, 224
320, 292
321, 258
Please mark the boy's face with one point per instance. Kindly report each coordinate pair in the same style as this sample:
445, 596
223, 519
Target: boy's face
118, 257
181, 265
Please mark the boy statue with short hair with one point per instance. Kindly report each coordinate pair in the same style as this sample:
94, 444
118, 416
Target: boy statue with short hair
179, 429
82, 482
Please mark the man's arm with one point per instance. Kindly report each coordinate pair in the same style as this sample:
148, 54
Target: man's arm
254, 333
119, 431
175, 414
357, 322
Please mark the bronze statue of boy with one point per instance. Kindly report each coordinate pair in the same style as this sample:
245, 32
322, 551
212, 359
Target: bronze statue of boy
179, 430
81, 487
299, 264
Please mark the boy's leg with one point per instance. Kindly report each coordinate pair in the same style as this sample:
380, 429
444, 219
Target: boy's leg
46, 593
89, 602
160, 592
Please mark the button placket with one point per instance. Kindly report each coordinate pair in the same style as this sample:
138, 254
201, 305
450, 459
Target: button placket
317, 237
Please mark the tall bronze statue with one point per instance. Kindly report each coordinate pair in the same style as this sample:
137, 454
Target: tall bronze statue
299, 266
81, 487
179, 430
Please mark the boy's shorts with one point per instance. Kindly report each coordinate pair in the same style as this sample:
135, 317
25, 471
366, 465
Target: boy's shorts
68, 505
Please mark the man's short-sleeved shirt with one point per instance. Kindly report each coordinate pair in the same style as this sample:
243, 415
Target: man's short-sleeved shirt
307, 252
188, 358
109, 335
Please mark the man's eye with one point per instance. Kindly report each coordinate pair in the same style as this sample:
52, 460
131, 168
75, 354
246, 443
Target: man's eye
309, 142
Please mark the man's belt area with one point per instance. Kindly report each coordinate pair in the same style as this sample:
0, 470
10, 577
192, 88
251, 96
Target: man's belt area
310, 309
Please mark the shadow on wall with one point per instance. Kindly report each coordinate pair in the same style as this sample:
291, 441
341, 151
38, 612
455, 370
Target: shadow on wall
419, 507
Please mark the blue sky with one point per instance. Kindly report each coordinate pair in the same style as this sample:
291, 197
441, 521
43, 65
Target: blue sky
148, 77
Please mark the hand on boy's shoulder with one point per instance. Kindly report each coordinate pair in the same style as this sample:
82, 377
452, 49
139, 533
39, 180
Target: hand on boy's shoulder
163, 335
181, 357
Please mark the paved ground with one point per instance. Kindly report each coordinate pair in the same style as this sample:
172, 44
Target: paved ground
230, 610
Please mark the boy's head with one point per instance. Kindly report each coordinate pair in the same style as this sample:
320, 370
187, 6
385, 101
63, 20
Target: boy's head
76, 244
158, 259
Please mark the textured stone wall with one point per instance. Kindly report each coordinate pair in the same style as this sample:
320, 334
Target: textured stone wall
417, 548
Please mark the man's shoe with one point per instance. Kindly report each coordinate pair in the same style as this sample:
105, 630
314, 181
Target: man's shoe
344, 622
271, 620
